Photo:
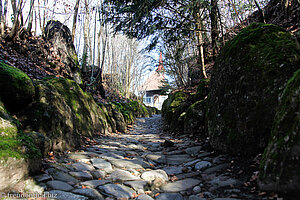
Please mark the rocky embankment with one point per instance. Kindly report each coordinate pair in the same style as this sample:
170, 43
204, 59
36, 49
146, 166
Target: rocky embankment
250, 106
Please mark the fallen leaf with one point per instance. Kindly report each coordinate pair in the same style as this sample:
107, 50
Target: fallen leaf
148, 192
134, 195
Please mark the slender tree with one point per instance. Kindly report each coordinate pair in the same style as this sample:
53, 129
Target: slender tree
30, 20
214, 26
1, 19
75, 19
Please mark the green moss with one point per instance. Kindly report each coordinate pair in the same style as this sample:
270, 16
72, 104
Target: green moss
18, 146
13, 72
10, 147
75, 59
280, 157
173, 107
17, 89
268, 47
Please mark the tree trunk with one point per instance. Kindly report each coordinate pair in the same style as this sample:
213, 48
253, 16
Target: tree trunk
14, 7
214, 27
261, 13
85, 38
16, 25
29, 27
1, 19
75, 19
95, 30
200, 47
42, 19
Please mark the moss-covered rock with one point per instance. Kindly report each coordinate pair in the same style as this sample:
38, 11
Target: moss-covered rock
194, 119
109, 118
63, 113
19, 155
10, 145
171, 105
280, 165
17, 89
248, 76
180, 109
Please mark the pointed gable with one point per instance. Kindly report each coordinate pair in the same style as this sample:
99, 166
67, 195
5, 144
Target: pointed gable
154, 81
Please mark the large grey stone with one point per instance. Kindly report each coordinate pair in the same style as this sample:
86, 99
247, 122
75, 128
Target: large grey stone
117, 190
61, 195
82, 157
83, 175
202, 165
153, 174
42, 178
173, 170
92, 193
59, 185
181, 185
191, 163
80, 166
216, 168
158, 158
169, 196
193, 150
98, 174
178, 159
95, 183
144, 197
122, 175
62, 176
130, 164
136, 185
101, 164
111, 156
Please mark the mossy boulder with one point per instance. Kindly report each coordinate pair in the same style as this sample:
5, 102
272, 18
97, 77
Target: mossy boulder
194, 119
119, 118
17, 89
180, 109
64, 113
249, 75
280, 165
173, 107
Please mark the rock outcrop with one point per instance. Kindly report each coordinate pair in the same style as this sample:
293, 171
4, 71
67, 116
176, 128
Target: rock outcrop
249, 75
280, 164
172, 108
63, 112
60, 37
186, 113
